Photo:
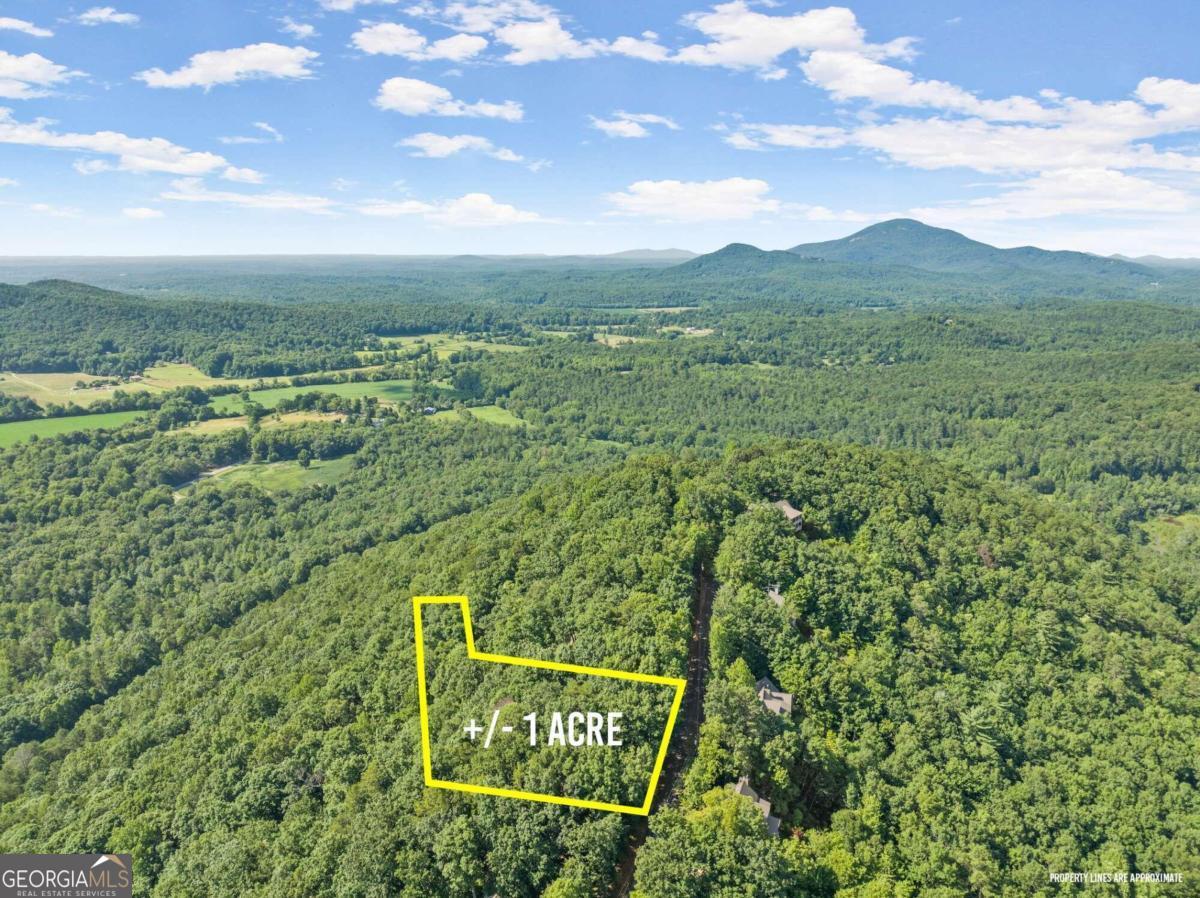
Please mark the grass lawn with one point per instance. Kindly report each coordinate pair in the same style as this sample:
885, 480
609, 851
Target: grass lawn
283, 475
491, 414
689, 331
170, 376
213, 425
385, 390
600, 337
217, 425
616, 339
15, 431
444, 344
60, 387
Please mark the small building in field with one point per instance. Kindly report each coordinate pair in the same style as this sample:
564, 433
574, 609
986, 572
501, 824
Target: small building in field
773, 699
743, 788
793, 515
429, 410
775, 595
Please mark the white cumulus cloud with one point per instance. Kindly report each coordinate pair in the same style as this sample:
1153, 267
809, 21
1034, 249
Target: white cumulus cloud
302, 31
631, 124
472, 210
411, 96
142, 212
392, 39
736, 35
744, 38
1058, 155
212, 67
439, 146
243, 175
30, 75
543, 40
534, 32
133, 154
731, 199
479, 17
351, 5
106, 15
851, 75
10, 24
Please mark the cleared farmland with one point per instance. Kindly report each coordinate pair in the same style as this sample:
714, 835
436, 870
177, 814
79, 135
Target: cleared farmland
278, 476
491, 414
442, 344
383, 390
65, 387
15, 431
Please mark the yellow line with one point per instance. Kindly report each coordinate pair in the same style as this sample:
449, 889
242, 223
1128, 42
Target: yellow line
426, 752
662, 749
420, 639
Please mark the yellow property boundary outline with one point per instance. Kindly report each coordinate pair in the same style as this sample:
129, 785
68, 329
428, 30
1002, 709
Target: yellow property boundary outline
426, 756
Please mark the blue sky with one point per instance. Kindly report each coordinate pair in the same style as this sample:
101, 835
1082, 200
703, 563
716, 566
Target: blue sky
421, 126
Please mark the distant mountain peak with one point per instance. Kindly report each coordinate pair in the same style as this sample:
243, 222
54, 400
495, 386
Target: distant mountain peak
906, 241
664, 255
902, 224
739, 258
737, 249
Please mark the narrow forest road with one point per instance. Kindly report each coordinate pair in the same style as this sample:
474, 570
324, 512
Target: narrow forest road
686, 737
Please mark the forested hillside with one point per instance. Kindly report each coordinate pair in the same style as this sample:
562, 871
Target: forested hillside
60, 326
84, 614
984, 614
977, 680
985, 689
280, 756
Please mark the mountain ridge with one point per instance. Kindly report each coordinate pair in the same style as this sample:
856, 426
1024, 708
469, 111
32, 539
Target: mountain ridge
906, 241
1155, 261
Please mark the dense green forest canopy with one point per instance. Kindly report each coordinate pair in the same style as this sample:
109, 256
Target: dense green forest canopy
957, 653
61, 326
987, 621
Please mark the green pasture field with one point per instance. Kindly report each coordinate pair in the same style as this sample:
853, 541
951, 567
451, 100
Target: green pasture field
16, 431
490, 414
60, 387
276, 477
385, 390
444, 344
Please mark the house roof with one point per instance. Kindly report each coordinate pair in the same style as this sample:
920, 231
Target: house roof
789, 511
772, 698
743, 788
